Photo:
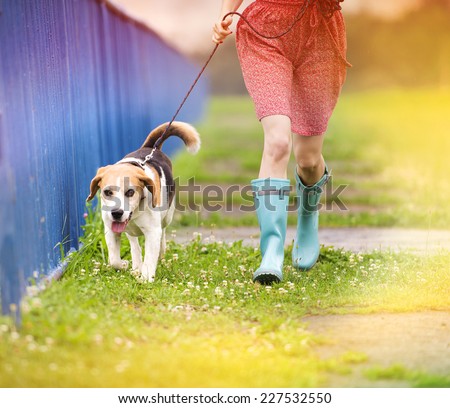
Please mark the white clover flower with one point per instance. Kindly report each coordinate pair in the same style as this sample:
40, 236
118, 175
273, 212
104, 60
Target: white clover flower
32, 290
15, 336
31, 347
218, 292
49, 341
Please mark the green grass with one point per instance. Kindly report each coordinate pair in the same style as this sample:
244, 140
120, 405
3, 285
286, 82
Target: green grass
389, 147
203, 323
416, 378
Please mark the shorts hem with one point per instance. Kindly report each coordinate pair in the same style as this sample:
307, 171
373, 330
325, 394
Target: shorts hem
265, 114
300, 132
309, 133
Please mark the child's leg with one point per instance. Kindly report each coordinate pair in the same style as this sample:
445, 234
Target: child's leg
277, 146
309, 159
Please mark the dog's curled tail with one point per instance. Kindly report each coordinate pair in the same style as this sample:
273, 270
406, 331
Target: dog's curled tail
184, 131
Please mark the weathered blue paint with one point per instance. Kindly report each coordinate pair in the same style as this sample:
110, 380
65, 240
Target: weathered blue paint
80, 86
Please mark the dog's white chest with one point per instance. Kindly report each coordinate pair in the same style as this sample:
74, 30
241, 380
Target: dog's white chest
133, 229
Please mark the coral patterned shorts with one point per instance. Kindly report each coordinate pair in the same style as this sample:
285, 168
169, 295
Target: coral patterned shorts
299, 75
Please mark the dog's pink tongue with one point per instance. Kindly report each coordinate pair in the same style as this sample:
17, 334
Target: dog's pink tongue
118, 227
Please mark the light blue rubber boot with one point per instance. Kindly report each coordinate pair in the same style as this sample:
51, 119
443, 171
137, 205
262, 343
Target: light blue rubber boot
306, 243
271, 202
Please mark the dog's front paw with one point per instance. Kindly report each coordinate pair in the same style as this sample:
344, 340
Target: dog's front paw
137, 275
148, 272
121, 264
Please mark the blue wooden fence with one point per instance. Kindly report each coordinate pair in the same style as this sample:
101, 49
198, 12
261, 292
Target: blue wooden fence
80, 85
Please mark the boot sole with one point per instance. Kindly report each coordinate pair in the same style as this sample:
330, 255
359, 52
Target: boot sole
266, 279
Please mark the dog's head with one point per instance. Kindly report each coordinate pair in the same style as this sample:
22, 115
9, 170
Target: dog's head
123, 187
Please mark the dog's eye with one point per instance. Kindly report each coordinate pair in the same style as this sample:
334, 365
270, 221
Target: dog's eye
130, 193
107, 193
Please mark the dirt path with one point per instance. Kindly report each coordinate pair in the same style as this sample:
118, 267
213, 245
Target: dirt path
354, 239
416, 341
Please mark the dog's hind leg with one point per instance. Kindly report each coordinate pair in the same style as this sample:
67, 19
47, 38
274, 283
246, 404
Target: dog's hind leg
162, 249
113, 244
136, 252
166, 221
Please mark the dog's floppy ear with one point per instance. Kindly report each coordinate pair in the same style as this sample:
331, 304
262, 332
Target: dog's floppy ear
154, 188
95, 182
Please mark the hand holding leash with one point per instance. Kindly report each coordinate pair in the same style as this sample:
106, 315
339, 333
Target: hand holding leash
221, 29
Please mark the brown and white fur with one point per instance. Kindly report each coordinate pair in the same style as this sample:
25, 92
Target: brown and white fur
139, 202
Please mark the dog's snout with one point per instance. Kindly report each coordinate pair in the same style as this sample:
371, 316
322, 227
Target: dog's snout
117, 214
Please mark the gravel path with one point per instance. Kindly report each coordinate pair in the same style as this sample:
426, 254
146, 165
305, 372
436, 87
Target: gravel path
354, 239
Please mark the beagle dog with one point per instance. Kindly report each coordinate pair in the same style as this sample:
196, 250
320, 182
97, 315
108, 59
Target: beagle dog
137, 198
